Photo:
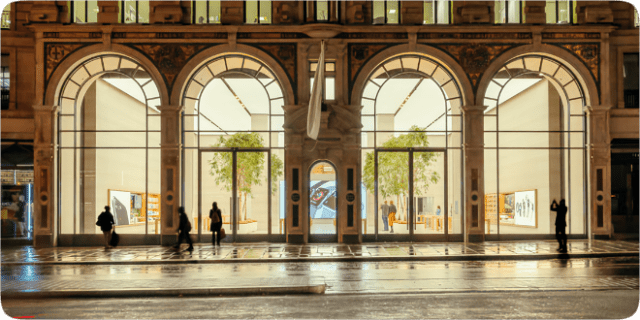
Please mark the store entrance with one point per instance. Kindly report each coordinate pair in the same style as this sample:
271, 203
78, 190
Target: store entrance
411, 194
323, 203
238, 181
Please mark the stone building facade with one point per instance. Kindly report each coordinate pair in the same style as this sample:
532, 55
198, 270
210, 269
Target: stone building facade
46, 51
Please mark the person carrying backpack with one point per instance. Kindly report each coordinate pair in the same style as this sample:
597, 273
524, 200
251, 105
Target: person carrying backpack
216, 224
106, 222
183, 229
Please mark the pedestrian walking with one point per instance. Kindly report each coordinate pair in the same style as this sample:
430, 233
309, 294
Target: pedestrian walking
106, 222
392, 215
216, 223
184, 228
385, 215
561, 213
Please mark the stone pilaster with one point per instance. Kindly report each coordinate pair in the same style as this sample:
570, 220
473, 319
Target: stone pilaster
44, 225
474, 172
170, 168
599, 169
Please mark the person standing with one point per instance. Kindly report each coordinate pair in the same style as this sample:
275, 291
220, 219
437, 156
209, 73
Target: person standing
216, 223
183, 229
392, 215
106, 222
561, 213
385, 215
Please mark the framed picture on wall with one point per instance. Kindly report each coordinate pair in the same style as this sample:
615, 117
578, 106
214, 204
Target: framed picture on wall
120, 206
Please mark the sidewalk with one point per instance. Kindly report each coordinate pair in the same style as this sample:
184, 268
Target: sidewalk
278, 252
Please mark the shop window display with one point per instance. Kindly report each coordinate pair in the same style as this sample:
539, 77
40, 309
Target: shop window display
534, 147
17, 208
106, 158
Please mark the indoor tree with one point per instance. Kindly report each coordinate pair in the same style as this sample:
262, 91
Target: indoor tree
393, 167
249, 166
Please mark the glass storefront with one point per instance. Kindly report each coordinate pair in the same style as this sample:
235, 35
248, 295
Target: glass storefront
109, 147
411, 150
534, 148
233, 153
17, 203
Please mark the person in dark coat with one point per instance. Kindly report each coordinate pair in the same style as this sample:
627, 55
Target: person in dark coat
216, 223
561, 213
183, 229
105, 221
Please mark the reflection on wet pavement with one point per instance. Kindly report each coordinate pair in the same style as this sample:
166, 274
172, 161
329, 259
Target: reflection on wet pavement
275, 251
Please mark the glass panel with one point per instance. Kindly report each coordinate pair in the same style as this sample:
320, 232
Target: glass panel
564, 11
67, 123
367, 191
576, 106
393, 65
6, 17
575, 192
120, 139
427, 66
151, 201
441, 76
550, 11
428, 12
367, 123
532, 64
549, 67
490, 189
130, 11
214, 11
234, 62
330, 88
67, 106
573, 91
154, 139
80, 76
529, 139
393, 187
92, 11
151, 91
528, 183
367, 106
143, 11
490, 139
277, 123
251, 8
410, 63
216, 186
428, 193
444, 8
563, 76
500, 11
68, 194
378, 12
253, 193
80, 8
393, 12
323, 200
451, 90
276, 106
265, 11
370, 90
119, 174
514, 11
322, 10
218, 66
194, 90
278, 192
201, 12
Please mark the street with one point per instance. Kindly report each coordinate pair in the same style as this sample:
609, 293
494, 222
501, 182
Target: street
556, 288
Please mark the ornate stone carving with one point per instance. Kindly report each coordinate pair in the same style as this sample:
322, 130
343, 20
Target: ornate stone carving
474, 58
271, 35
519, 35
286, 55
170, 58
55, 53
582, 35
359, 54
588, 53
373, 35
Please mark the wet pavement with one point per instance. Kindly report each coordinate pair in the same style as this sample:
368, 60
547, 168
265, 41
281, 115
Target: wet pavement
274, 252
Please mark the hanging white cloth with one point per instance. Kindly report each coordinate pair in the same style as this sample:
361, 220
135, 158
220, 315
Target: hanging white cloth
315, 103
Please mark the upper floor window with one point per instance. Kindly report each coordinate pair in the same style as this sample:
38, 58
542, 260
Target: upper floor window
386, 11
322, 11
132, 11
257, 12
561, 11
6, 17
508, 11
329, 78
4, 81
636, 20
83, 11
630, 74
206, 11
437, 12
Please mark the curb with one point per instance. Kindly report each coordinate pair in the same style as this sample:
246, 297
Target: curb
155, 292
478, 257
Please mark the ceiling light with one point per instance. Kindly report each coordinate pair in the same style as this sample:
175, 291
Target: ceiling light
392, 11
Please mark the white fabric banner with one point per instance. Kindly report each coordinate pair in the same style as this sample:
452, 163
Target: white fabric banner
315, 103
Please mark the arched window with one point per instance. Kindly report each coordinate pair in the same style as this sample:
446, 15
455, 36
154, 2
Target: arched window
534, 147
109, 147
234, 142
411, 145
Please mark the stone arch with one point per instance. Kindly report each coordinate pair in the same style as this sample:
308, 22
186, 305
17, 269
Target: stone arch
77, 58
210, 54
579, 70
456, 71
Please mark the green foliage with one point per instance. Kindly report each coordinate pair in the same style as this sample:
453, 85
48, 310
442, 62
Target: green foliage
250, 165
393, 167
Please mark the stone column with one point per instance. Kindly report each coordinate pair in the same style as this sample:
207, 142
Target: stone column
44, 225
297, 197
599, 170
474, 172
170, 168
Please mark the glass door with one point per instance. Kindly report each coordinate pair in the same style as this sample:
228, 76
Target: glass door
411, 194
323, 203
238, 180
